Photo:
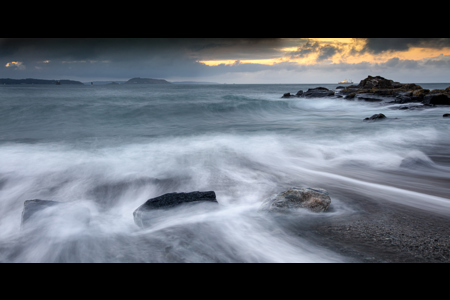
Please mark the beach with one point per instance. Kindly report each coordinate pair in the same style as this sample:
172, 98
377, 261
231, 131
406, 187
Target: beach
103, 151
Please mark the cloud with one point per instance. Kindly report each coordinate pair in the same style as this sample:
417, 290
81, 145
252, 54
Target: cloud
326, 52
305, 50
16, 64
379, 45
191, 58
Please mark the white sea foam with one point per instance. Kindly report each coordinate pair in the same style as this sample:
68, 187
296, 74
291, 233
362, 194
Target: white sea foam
137, 150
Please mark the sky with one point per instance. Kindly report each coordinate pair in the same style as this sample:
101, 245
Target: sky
227, 60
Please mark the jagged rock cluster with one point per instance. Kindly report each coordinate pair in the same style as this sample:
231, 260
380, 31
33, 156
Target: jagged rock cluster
377, 89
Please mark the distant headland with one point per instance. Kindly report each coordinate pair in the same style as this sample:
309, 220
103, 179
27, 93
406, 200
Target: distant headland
139, 80
4, 81
136, 80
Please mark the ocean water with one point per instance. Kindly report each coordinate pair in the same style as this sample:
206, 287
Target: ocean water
111, 148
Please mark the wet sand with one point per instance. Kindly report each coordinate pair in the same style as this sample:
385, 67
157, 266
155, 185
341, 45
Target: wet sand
380, 232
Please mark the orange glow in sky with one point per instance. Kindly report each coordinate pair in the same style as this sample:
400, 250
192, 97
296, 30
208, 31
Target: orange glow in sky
344, 50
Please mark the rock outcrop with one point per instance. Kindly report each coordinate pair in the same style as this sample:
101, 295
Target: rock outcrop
375, 117
318, 92
313, 199
378, 89
438, 97
372, 87
168, 201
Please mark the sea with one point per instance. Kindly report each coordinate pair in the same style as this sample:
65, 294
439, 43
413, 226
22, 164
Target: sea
108, 149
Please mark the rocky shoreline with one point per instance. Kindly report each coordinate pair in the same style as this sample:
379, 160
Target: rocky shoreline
380, 89
376, 232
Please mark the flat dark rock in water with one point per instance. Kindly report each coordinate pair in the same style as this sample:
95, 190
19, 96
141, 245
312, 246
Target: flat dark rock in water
446, 115
172, 200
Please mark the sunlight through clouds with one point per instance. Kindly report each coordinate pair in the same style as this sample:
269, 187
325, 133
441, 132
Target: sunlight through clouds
16, 64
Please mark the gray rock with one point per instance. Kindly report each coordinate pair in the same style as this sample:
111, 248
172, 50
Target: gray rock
375, 117
313, 199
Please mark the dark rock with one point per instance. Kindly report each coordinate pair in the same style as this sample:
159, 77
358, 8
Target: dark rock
436, 99
375, 117
410, 87
171, 200
368, 97
383, 92
313, 199
68, 212
287, 95
376, 82
416, 95
350, 96
318, 92
340, 87
404, 97
446, 115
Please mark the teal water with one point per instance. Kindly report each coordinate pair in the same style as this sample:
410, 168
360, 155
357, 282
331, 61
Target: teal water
110, 148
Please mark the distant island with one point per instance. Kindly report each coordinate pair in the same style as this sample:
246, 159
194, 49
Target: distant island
139, 80
4, 81
136, 80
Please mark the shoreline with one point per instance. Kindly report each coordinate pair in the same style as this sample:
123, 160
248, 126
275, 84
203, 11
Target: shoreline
379, 232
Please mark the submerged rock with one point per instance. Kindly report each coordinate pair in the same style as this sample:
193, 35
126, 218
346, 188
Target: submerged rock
43, 210
171, 200
446, 115
313, 199
376, 117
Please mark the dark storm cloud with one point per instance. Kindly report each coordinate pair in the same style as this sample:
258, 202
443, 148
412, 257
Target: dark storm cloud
378, 45
234, 48
92, 48
124, 57
327, 52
